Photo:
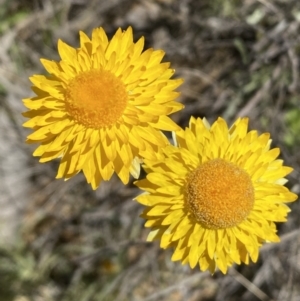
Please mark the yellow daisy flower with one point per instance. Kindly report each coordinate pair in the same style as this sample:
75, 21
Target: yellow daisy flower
102, 106
215, 196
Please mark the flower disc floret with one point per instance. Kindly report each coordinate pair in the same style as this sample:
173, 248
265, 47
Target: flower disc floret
96, 99
213, 196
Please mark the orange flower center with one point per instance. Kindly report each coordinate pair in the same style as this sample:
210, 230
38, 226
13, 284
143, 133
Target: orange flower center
219, 194
96, 98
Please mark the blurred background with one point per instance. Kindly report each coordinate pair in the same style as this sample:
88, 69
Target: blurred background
62, 240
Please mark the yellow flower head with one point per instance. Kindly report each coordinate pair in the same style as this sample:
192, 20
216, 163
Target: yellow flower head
102, 106
215, 196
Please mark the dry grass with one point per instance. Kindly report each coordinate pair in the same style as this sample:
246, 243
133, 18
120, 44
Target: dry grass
63, 241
